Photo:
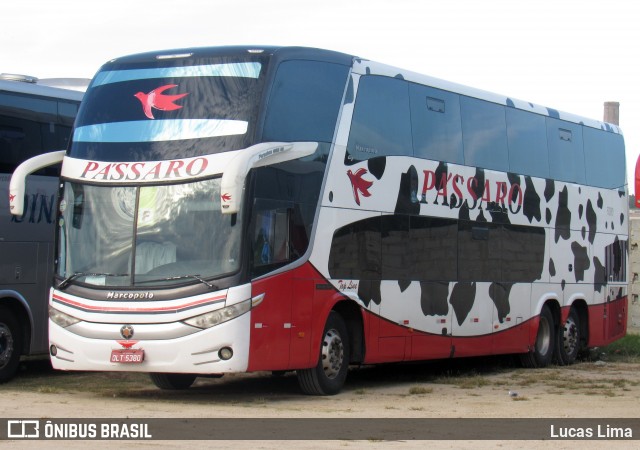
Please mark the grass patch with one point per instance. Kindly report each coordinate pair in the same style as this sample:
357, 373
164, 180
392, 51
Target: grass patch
419, 390
626, 349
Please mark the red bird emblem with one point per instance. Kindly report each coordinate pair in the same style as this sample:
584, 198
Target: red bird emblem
127, 344
359, 184
225, 197
156, 99
11, 197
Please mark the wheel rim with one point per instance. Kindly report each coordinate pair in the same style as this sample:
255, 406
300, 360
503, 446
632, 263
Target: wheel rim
543, 341
570, 333
6, 345
332, 353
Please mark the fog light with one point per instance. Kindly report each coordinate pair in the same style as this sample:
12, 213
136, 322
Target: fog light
53, 350
225, 353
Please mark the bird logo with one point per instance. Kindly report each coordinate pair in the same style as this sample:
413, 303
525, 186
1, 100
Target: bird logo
157, 100
359, 184
226, 197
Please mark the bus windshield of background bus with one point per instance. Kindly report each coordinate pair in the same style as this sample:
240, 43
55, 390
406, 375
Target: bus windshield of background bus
144, 236
160, 113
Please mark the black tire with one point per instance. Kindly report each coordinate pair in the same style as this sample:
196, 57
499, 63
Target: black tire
173, 381
329, 375
568, 340
542, 353
10, 344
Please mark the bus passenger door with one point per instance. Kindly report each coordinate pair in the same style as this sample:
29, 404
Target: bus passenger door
271, 319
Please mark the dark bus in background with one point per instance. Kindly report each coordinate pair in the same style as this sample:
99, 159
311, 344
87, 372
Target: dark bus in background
36, 116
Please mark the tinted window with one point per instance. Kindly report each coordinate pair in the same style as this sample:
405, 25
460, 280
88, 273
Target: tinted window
396, 263
435, 120
479, 251
286, 197
355, 251
527, 138
566, 158
31, 125
433, 249
484, 134
381, 124
522, 253
194, 110
604, 158
305, 100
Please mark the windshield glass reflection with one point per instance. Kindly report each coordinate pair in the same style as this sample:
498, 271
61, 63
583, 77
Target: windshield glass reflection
147, 236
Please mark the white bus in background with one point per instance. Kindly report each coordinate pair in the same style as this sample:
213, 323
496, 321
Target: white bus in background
36, 116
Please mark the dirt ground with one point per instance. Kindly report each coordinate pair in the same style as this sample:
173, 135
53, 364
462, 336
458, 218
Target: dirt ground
476, 388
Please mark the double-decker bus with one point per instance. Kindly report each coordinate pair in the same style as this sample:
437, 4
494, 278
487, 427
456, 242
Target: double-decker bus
243, 209
36, 117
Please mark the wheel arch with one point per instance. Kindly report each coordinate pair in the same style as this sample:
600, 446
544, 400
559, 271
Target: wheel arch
17, 304
351, 313
581, 307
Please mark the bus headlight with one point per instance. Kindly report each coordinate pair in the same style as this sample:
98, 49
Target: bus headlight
219, 316
60, 318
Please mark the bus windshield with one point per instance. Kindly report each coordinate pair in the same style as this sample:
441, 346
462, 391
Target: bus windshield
160, 113
144, 236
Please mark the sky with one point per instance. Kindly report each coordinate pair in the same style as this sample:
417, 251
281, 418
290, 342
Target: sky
569, 55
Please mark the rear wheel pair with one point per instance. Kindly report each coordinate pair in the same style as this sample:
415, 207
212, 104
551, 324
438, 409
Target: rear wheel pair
559, 344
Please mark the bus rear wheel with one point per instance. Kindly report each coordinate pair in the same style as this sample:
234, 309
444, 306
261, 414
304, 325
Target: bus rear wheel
330, 373
172, 381
10, 344
568, 340
542, 353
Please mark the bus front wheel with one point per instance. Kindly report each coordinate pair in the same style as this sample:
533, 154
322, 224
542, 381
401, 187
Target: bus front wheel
172, 381
330, 373
542, 353
10, 344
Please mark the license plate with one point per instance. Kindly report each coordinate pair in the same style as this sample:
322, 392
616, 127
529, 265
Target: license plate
127, 356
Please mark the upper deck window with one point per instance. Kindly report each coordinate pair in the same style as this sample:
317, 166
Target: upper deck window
304, 101
381, 124
158, 113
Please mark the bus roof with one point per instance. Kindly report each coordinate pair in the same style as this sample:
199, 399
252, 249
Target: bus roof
61, 88
361, 66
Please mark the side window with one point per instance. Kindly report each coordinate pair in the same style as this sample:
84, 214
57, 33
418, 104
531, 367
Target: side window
286, 196
522, 253
479, 251
484, 134
396, 264
305, 101
30, 126
566, 157
270, 225
604, 158
381, 124
527, 138
435, 121
432, 248
355, 251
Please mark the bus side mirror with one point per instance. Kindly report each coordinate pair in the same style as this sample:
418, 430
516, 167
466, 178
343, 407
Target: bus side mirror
259, 155
19, 178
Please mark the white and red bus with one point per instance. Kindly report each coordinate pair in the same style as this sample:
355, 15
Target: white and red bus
246, 209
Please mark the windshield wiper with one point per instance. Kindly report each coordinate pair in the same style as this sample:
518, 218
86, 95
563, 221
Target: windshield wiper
180, 277
64, 283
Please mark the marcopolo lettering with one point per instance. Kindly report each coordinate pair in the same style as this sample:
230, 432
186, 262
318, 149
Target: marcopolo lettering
112, 295
144, 171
